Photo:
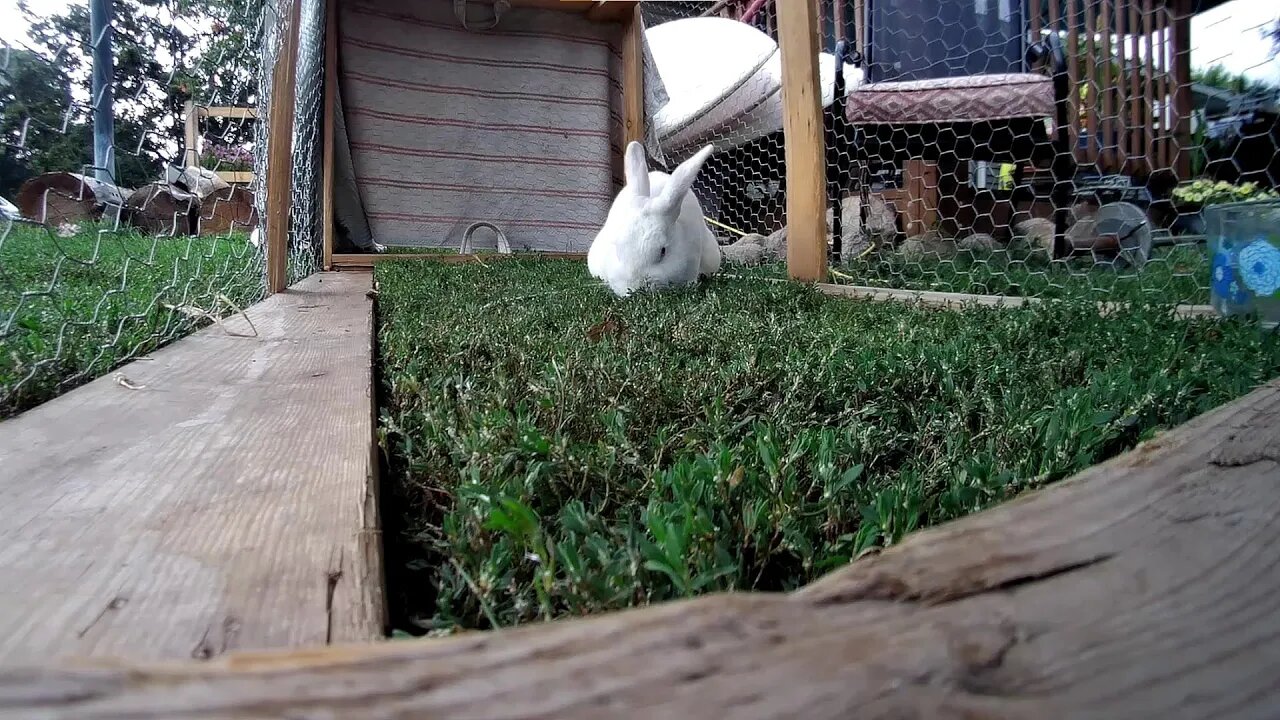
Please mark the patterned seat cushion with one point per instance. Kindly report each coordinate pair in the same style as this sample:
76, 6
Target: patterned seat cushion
974, 98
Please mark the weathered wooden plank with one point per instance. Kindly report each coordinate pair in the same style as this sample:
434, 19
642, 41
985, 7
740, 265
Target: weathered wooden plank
1143, 587
798, 35
226, 504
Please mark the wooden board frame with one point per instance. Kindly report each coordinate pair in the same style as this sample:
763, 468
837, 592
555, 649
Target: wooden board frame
624, 13
280, 153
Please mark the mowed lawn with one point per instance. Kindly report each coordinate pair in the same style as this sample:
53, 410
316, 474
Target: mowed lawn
74, 308
555, 451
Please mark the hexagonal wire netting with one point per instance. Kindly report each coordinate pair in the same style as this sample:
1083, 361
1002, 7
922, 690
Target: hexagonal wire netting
1053, 148
103, 264
1056, 148
100, 265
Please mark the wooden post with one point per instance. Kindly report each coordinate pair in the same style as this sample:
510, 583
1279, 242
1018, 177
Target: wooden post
1150, 68
1074, 18
191, 120
921, 180
1092, 147
1119, 25
329, 98
1135, 84
1106, 142
802, 127
1164, 92
1181, 41
633, 78
859, 27
280, 152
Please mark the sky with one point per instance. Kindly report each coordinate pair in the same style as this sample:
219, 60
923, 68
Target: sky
1230, 35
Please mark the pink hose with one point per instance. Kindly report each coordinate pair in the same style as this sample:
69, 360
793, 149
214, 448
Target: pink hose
751, 10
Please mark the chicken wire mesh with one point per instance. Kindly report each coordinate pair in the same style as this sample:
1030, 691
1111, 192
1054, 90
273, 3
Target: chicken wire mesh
100, 265
1047, 149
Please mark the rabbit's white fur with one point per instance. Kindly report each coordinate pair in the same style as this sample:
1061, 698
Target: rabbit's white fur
655, 235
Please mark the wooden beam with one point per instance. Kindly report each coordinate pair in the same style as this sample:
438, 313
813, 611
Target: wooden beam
633, 78
612, 11
329, 98
1135, 87
364, 261
1093, 147
233, 113
280, 153
798, 40
191, 134
1139, 588
1074, 19
1121, 87
1107, 140
1150, 69
1164, 90
1182, 103
937, 299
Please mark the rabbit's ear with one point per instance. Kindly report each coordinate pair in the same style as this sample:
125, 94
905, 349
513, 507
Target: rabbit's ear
669, 200
637, 169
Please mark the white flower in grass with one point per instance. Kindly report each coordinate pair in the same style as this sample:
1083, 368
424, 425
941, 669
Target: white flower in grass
67, 229
1259, 264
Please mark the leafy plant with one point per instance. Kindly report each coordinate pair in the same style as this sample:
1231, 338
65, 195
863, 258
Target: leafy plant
1209, 192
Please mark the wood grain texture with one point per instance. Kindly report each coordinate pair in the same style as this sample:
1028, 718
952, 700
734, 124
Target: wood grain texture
798, 42
633, 79
227, 504
1145, 587
280, 153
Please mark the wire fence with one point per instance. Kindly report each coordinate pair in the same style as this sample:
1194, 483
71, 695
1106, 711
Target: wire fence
1054, 148
101, 265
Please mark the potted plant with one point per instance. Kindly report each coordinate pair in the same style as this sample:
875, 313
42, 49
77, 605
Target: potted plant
226, 158
1191, 199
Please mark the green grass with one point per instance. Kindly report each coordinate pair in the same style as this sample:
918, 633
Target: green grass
1177, 274
72, 309
555, 451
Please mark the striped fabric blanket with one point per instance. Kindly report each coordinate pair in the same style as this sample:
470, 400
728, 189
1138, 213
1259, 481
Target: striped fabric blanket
518, 125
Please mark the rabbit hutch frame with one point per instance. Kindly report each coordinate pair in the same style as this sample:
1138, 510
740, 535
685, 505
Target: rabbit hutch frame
1130, 589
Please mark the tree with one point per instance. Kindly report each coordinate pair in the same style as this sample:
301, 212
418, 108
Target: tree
160, 63
39, 130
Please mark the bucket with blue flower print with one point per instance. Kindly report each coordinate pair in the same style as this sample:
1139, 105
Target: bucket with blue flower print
1244, 246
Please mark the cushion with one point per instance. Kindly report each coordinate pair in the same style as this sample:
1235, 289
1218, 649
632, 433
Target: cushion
972, 98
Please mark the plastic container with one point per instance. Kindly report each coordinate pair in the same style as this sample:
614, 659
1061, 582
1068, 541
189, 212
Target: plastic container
1243, 240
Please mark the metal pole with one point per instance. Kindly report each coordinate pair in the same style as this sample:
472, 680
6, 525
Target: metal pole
104, 159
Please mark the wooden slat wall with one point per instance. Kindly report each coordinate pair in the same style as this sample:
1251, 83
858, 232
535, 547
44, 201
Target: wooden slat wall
1129, 61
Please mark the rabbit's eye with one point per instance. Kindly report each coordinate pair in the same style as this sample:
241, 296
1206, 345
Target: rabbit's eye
662, 253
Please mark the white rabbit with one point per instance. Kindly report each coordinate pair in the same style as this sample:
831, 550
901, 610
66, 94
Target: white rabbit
655, 235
